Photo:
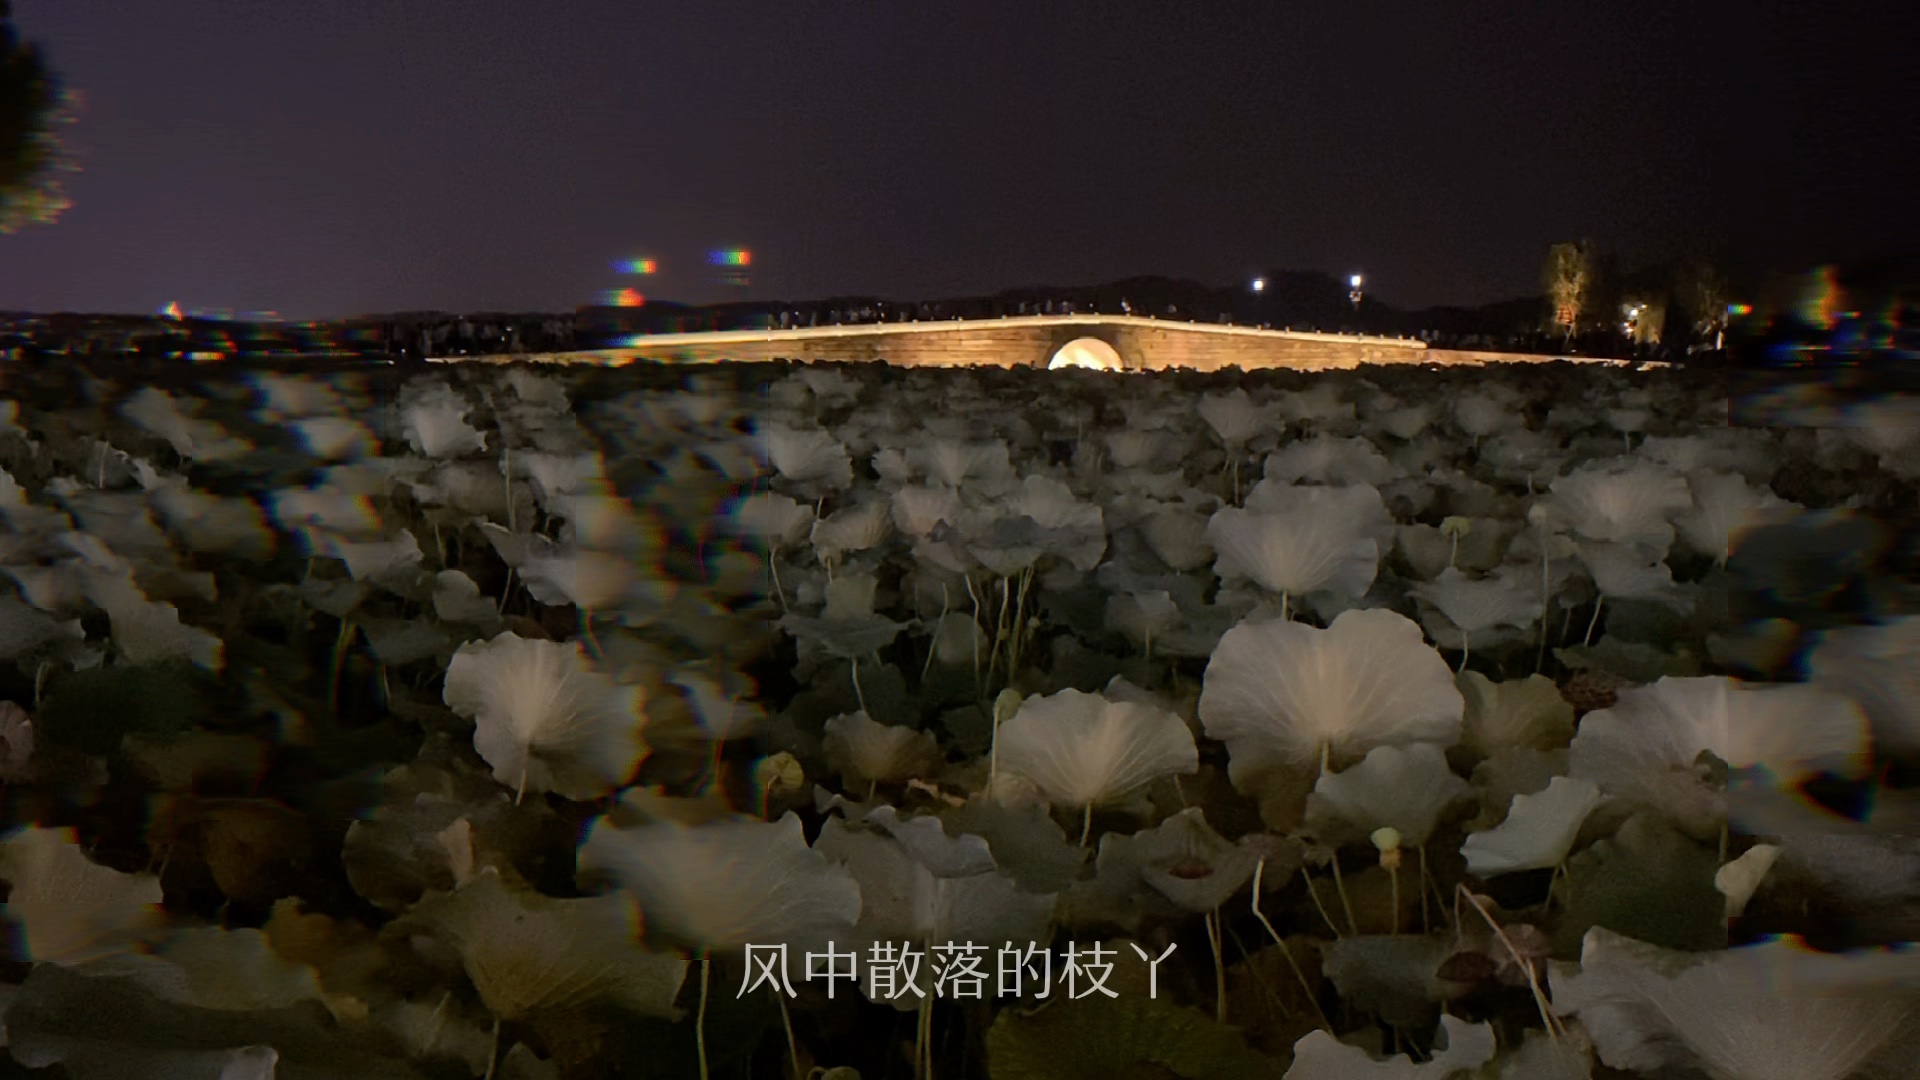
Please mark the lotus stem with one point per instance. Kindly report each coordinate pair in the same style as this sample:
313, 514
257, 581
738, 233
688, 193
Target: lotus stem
340, 644
1086, 824
1453, 551
493, 1053
945, 597
1284, 616
975, 597
1394, 872
853, 673
1306, 988
1219, 967
923, 1041
1315, 894
793, 1045
1598, 601
1426, 927
773, 567
1346, 905
700, 1019
1533, 982
506, 480
1465, 645
505, 592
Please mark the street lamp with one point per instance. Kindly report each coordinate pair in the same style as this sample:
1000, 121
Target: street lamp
1259, 284
1353, 289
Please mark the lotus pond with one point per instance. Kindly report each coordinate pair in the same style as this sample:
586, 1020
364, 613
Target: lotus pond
514, 722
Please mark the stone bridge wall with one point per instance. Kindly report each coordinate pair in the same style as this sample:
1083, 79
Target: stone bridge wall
1143, 344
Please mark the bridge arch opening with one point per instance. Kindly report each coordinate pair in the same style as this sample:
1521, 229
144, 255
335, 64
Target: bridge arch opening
1087, 352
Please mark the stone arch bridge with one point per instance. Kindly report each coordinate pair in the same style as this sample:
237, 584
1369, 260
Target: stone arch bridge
1116, 342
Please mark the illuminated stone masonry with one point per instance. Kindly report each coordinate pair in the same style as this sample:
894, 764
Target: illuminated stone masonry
1036, 341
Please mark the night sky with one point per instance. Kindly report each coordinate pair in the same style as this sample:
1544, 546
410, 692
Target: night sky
353, 156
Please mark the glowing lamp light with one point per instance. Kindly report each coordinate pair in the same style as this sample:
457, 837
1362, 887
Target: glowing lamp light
172, 310
732, 257
1259, 284
1354, 281
637, 266
625, 298
1739, 309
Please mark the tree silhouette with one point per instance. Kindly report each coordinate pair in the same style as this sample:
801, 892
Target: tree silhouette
32, 160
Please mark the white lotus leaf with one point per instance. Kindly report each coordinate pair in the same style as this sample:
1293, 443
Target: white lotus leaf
854, 528
325, 507
1627, 572
952, 463
284, 396
926, 839
771, 518
1178, 537
1298, 540
1740, 879
556, 475
917, 510
214, 525
370, 559
1539, 830
1319, 1056
719, 701
866, 752
1645, 748
527, 953
151, 632
1405, 788
1647, 1009
958, 640
456, 598
435, 424
334, 438
68, 908
1084, 750
1395, 976
1182, 859
1725, 506
727, 884
232, 969
810, 458
1528, 713
1405, 423
544, 719
1234, 417
1079, 528
16, 744
1325, 459
606, 522
154, 412
597, 581
1879, 667
1543, 1057
1484, 412
1625, 501
1281, 693
847, 626
1143, 616
1478, 604
903, 901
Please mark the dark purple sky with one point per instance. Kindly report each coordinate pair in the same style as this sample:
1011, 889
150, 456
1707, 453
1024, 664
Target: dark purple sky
380, 155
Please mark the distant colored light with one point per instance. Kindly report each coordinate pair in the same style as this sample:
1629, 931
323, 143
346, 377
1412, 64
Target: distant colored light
625, 298
731, 257
1739, 309
637, 266
172, 310
1259, 284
